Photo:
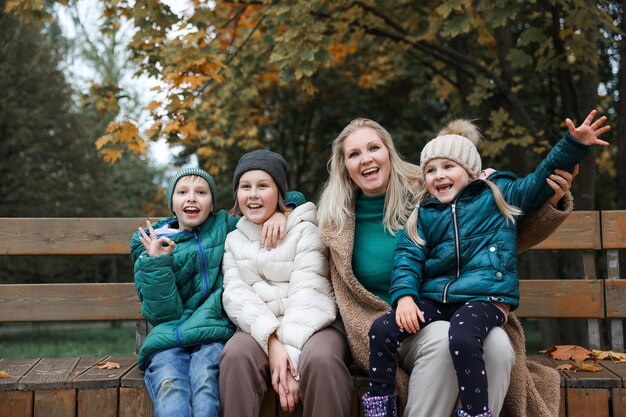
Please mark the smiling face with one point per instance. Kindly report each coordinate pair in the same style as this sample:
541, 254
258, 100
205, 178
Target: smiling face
192, 201
367, 161
257, 196
445, 179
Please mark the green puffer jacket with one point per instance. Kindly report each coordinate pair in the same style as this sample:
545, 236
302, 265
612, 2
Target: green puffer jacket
181, 294
470, 252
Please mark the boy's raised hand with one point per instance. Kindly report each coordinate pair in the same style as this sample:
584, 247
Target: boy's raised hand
155, 246
587, 133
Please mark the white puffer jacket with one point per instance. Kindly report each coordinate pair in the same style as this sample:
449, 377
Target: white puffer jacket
286, 290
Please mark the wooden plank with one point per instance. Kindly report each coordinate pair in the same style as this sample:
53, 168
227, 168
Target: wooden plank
618, 402
134, 378
617, 368
16, 403
49, 373
95, 377
67, 236
587, 402
601, 379
581, 230
85, 363
614, 229
17, 368
69, 302
55, 403
561, 298
135, 402
615, 291
101, 402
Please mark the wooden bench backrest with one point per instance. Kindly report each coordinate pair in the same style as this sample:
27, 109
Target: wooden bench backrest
107, 236
614, 239
68, 302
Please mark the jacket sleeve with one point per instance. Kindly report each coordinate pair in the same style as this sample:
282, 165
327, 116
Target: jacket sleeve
243, 306
536, 226
408, 269
311, 304
156, 286
531, 192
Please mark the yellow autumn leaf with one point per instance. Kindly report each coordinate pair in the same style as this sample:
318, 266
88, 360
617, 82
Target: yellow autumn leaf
153, 105
565, 367
108, 365
568, 352
111, 155
128, 132
587, 366
103, 140
5, 374
138, 147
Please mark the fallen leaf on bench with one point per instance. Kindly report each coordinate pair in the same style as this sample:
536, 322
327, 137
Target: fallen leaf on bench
5, 374
108, 365
585, 366
568, 352
608, 354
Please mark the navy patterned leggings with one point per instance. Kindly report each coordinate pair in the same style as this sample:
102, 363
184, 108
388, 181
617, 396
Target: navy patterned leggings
469, 325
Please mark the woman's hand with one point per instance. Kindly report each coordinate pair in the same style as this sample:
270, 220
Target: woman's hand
155, 246
273, 230
408, 314
289, 399
280, 364
561, 182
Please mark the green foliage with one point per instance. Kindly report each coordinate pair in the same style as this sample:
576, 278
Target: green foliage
233, 72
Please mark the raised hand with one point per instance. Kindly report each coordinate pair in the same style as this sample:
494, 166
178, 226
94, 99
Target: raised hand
155, 246
587, 133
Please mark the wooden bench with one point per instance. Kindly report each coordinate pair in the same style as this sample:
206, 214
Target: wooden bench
76, 387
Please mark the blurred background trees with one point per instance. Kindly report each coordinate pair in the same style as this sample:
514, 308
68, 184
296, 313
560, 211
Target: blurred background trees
289, 75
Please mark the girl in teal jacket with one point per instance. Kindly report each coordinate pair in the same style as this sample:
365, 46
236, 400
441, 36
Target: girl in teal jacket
177, 265
457, 259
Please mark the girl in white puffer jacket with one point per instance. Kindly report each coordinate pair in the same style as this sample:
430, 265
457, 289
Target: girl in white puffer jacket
278, 297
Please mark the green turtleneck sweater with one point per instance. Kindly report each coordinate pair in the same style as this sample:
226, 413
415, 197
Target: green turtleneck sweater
372, 257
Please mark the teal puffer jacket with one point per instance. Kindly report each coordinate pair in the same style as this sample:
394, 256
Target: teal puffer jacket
181, 294
471, 249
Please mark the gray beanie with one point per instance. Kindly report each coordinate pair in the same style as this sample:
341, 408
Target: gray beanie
456, 142
264, 160
186, 172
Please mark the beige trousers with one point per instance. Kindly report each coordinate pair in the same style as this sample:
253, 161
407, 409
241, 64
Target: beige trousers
325, 382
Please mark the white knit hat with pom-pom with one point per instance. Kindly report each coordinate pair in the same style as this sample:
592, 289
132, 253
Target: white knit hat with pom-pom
457, 142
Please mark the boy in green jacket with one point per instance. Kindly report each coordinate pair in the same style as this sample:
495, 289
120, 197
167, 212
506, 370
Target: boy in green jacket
179, 282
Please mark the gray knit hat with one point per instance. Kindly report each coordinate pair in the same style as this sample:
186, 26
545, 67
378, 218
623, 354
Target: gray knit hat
264, 160
186, 172
457, 142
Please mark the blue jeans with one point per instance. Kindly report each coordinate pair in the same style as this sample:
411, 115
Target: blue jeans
183, 382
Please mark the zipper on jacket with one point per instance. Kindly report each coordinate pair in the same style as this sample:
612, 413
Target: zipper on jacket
205, 274
457, 250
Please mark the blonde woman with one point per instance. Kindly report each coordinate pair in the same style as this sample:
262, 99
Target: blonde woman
367, 199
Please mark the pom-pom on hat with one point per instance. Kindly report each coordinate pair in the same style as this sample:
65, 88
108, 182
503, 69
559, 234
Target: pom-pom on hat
457, 142
264, 160
186, 172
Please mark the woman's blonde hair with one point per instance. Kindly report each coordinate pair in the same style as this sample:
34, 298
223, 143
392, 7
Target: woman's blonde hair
336, 202
468, 130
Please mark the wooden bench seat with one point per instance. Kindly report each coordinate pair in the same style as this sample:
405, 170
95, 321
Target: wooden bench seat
76, 387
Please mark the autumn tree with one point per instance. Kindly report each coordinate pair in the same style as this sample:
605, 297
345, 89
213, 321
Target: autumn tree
49, 166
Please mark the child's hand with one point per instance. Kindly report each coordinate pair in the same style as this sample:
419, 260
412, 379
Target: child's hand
408, 314
273, 230
587, 133
155, 246
290, 398
280, 364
